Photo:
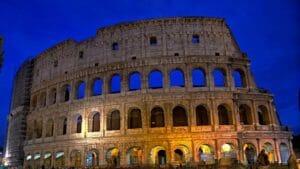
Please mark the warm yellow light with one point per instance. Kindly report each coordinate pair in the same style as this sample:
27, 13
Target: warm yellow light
226, 148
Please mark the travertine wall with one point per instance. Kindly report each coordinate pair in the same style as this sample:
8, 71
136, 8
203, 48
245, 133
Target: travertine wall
70, 63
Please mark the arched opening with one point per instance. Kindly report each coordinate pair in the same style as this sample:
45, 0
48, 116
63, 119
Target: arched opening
115, 84
113, 157
239, 78
249, 153
60, 159
177, 78
92, 158
115, 46
43, 99
75, 158
157, 117
263, 115
219, 78
96, 122
80, 90
224, 115
49, 128
37, 125
284, 153
206, 154
153, 40
135, 156
52, 96
97, 87
179, 156
162, 158
134, 119
34, 102
195, 39
155, 79
47, 159
66, 90
135, 81
113, 120
228, 150
245, 115
78, 124
198, 76
202, 116
269, 151
64, 129
179, 117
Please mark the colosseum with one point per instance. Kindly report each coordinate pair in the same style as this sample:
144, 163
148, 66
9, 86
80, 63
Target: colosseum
157, 92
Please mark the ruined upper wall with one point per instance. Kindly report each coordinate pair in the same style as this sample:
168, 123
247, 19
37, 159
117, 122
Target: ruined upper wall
173, 35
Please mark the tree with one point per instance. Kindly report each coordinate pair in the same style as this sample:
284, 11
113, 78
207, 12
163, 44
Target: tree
1, 52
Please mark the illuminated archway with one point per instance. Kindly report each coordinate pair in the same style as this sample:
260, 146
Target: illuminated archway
158, 155
113, 157
206, 154
135, 156
75, 158
269, 151
249, 153
228, 150
92, 158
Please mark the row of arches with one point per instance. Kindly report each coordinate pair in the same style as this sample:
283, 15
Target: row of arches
179, 154
155, 81
157, 118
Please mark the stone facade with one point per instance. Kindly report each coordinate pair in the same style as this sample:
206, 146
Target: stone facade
77, 118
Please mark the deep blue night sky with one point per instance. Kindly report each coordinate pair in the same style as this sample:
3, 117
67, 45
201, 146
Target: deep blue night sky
269, 31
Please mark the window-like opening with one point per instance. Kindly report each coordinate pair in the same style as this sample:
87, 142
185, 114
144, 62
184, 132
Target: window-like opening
64, 132
219, 78
153, 40
115, 46
92, 158
245, 115
249, 153
135, 156
162, 158
80, 90
115, 84
66, 93
133, 58
179, 117
134, 119
157, 117
37, 129
177, 78
75, 158
135, 81
113, 120
176, 54
228, 150
263, 115
49, 128
96, 122
239, 78
113, 157
195, 39
55, 63
155, 79
224, 116
217, 54
78, 124
198, 76
52, 96
206, 154
202, 116
284, 153
178, 155
81, 55
97, 87
269, 150
34, 102
43, 99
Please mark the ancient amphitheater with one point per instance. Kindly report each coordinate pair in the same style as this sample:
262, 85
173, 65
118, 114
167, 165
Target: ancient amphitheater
170, 91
